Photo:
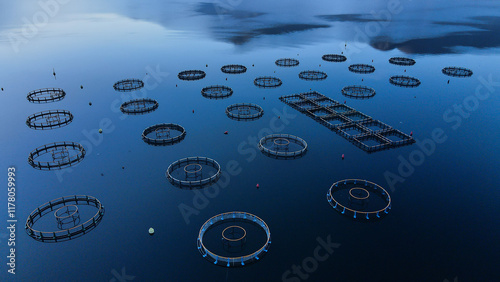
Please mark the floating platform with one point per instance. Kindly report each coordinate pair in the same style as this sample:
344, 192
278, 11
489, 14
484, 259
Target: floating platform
233, 69
65, 210
236, 261
267, 82
127, 85
312, 75
49, 119
361, 68
404, 81
46, 95
217, 92
358, 128
164, 134
334, 58
191, 75
401, 61
287, 62
193, 170
359, 199
57, 155
139, 106
278, 146
244, 111
457, 72
358, 92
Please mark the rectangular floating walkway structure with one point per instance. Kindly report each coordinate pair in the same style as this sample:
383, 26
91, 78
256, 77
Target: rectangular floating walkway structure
369, 134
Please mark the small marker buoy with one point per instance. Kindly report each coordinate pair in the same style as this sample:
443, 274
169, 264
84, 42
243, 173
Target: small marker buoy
279, 117
405, 70
372, 61
151, 231
90, 103
102, 174
253, 65
226, 78
342, 156
345, 101
320, 65
257, 185
2, 88
264, 98
193, 111
206, 65
414, 96
411, 133
176, 85
100, 130
362, 79
225, 132
123, 167
81, 86
448, 81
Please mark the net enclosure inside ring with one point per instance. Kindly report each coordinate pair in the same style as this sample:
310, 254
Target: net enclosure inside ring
193, 172
404, 81
457, 71
283, 146
312, 75
234, 239
49, 119
57, 155
361, 68
287, 62
358, 92
402, 61
46, 95
191, 75
64, 218
216, 92
359, 199
127, 85
233, 69
163, 134
334, 58
267, 82
244, 111
139, 106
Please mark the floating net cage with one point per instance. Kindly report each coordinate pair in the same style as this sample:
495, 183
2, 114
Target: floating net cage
287, 62
283, 146
139, 106
69, 212
358, 128
401, 61
244, 111
312, 75
127, 85
334, 58
49, 119
358, 92
191, 75
57, 155
46, 95
216, 92
404, 81
457, 71
233, 69
164, 134
233, 236
267, 82
361, 68
193, 172
359, 199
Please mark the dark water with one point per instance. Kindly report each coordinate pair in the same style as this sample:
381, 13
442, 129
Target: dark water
444, 222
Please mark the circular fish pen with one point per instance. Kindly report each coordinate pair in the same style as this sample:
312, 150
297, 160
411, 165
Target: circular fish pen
49, 119
334, 58
139, 106
457, 72
244, 111
361, 68
193, 172
164, 134
68, 213
312, 75
359, 199
46, 95
233, 69
267, 82
401, 61
287, 62
57, 155
404, 81
358, 92
237, 246
283, 146
191, 75
216, 92
127, 85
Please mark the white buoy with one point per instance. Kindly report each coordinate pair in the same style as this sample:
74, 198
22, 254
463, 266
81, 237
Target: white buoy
100, 130
151, 231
